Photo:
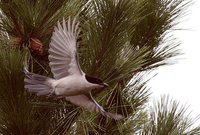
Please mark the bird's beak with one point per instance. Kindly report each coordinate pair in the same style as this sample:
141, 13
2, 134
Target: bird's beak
105, 85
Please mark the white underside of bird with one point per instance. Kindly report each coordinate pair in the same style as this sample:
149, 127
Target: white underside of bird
69, 81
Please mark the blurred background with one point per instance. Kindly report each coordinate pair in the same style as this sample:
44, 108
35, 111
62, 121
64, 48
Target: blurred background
181, 80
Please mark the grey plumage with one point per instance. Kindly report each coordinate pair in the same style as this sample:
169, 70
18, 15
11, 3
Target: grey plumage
63, 52
37, 83
69, 80
88, 102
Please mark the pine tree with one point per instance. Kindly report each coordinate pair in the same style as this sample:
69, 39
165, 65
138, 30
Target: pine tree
121, 41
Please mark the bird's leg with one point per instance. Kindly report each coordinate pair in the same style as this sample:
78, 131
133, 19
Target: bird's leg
52, 93
58, 97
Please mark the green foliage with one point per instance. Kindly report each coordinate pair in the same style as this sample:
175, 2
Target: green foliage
121, 41
34, 18
168, 117
17, 115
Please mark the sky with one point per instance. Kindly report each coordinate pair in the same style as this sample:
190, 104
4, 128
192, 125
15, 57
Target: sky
182, 80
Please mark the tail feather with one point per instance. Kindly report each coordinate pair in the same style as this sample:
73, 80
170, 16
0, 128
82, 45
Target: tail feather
42, 93
41, 85
36, 87
29, 81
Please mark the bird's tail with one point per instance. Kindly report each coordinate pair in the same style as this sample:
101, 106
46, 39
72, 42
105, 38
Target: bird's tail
41, 85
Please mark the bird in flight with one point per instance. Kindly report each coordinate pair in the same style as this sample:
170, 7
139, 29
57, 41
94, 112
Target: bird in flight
69, 81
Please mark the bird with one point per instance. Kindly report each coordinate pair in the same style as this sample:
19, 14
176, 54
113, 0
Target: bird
69, 81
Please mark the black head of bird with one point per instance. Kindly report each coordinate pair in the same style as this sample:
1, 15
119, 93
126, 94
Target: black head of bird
97, 81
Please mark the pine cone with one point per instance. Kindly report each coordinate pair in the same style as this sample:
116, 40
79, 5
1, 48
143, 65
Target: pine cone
37, 46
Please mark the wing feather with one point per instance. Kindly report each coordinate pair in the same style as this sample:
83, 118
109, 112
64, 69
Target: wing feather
89, 103
63, 50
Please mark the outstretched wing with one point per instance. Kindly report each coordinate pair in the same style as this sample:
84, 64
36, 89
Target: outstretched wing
88, 102
63, 51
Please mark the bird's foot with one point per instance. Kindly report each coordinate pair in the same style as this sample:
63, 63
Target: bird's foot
51, 94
